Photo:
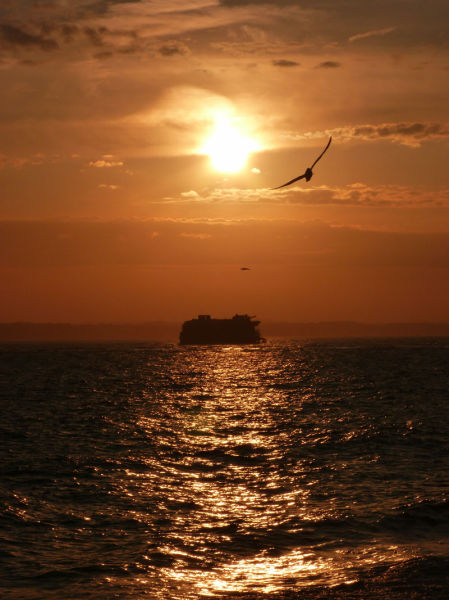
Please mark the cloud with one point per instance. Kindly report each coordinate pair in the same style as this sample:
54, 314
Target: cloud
375, 32
116, 26
190, 194
16, 162
285, 63
357, 194
228, 196
320, 21
103, 54
196, 236
107, 186
14, 36
150, 7
328, 64
68, 31
174, 48
95, 35
405, 133
408, 134
101, 7
102, 163
270, 27
238, 3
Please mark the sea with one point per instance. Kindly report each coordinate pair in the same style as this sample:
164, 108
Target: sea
295, 469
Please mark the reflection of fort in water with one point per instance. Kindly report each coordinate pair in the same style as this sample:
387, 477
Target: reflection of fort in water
241, 329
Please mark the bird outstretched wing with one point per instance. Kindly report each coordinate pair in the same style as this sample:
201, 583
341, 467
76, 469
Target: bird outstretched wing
289, 182
310, 169
328, 144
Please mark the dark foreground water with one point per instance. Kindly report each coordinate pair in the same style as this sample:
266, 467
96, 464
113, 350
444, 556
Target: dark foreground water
291, 470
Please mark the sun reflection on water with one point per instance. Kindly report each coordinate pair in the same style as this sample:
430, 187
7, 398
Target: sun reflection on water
240, 504
295, 570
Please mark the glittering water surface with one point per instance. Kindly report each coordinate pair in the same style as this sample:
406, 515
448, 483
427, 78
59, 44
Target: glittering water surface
157, 471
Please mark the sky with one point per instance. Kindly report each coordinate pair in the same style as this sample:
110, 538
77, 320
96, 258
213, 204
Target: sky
140, 140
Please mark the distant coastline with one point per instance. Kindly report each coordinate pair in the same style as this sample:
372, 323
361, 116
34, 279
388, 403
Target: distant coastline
165, 331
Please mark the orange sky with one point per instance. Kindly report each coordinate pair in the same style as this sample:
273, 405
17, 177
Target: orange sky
111, 210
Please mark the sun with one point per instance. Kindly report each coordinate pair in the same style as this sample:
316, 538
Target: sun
227, 147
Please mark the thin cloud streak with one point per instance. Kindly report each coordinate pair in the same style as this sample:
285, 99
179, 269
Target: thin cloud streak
328, 64
376, 32
106, 164
285, 63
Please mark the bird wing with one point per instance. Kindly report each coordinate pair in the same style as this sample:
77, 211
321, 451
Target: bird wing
290, 182
328, 144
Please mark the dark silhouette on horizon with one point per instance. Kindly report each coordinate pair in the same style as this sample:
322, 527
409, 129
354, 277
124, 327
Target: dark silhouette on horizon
241, 329
245, 269
307, 175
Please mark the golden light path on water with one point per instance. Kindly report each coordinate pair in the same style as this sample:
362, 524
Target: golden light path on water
290, 470
243, 500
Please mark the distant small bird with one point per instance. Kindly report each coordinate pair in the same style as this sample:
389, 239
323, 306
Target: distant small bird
245, 269
307, 175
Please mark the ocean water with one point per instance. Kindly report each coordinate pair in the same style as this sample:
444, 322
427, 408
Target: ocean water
286, 470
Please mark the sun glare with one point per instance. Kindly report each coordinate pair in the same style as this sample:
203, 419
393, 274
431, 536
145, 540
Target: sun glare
227, 147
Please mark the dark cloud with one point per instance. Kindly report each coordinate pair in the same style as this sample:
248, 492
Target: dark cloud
173, 49
285, 63
131, 49
415, 130
328, 64
237, 3
103, 54
68, 31
405, 133
95, 36
101, 7
14, 36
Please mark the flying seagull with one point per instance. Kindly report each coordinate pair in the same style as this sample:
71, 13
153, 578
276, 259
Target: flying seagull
307, 175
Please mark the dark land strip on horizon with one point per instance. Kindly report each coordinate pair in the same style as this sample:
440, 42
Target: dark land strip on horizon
168, 331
